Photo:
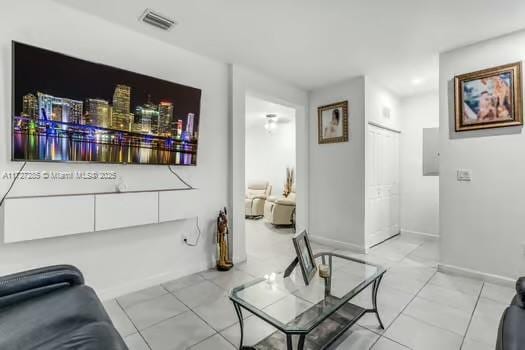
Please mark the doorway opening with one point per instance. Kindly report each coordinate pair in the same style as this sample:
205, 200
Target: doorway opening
270, 177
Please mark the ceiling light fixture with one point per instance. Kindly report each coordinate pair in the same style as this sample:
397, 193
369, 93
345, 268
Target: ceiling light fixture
271, 122
157, 20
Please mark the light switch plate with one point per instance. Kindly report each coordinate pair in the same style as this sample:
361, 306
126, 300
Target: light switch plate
464, 175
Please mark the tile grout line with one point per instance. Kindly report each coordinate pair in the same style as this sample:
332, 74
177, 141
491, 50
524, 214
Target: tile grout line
172, 317
411, 300
145, 300
196, 314
472, 314
381, 335
133, 323
211, 336
149, 299
424, 321
390, 339
203, 320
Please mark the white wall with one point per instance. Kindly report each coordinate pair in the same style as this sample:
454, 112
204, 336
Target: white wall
245, 82
419, 194
481, 222
337, 170
269, 154
377, 99
118, 261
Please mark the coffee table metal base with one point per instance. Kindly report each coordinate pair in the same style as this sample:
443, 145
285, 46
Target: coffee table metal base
345, 318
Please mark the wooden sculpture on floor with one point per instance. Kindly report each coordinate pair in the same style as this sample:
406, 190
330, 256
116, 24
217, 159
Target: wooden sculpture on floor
223, 256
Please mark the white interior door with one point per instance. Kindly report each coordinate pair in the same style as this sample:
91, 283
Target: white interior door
382, 207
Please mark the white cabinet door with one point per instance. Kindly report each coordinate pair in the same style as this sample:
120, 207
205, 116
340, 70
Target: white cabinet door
51, 216
382, 202
118, 210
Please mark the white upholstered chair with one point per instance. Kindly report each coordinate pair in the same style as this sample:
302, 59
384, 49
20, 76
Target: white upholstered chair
255, 198
280, 211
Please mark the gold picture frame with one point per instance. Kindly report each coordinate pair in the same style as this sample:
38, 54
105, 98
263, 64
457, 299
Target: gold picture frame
332, 123
489, 98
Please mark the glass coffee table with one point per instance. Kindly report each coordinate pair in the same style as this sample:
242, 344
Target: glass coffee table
316, 314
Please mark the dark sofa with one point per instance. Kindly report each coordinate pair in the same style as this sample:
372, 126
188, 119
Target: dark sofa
51, 308
511, 331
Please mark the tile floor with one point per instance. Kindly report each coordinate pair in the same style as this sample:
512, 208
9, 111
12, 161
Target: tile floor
420, 307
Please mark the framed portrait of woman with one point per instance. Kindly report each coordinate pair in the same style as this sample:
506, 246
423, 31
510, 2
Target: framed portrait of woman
489, 98
333, 122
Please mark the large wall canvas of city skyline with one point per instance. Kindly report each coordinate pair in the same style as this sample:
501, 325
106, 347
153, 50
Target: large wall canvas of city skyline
68, 109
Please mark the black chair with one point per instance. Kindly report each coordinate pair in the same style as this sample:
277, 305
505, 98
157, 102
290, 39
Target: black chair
51, 308
511, 331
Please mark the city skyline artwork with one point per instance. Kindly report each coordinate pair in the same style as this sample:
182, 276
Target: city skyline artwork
69, 109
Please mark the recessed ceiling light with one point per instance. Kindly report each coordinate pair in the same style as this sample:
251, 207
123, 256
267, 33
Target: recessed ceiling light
157, 20
416, 81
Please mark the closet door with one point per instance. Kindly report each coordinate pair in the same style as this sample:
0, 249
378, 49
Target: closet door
382, 208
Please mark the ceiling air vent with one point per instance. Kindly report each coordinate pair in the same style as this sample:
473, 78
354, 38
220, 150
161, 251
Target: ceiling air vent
157, 20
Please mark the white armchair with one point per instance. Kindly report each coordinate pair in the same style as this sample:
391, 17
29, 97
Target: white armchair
280, 211
256, 197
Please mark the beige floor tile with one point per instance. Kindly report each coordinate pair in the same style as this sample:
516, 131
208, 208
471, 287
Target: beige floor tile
216, 342
150, 312
135, 342
119, 318
201, 293
455, 320
178, 332
419, 335
485, 321
502, 294
142, 295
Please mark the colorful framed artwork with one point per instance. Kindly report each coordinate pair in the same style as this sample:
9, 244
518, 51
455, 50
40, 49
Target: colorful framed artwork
489, 98
333, 122
66, 109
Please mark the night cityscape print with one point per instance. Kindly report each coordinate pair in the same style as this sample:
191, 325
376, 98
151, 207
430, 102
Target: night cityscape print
68, 109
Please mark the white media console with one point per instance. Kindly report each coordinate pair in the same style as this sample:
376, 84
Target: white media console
36, 217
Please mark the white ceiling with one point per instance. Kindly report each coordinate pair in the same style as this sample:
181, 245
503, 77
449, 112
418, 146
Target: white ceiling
257, 109
311, 43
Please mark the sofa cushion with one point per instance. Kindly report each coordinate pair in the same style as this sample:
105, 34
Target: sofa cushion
92, 336
72, 317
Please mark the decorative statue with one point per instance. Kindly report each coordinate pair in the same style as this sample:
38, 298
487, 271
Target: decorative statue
223, 256
288, 184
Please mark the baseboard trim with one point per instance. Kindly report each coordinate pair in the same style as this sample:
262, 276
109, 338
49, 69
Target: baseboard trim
337, 244
135, 285
487, 277
426, 234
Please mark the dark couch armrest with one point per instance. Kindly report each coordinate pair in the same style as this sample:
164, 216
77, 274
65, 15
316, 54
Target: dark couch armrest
519, 299
32, 283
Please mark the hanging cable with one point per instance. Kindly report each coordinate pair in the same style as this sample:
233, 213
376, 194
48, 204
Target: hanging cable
180, 179
197, 218
12, 183
198, 236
